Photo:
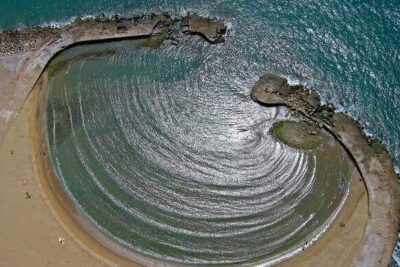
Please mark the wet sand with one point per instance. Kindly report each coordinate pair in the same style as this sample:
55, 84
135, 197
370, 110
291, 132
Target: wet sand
343, 240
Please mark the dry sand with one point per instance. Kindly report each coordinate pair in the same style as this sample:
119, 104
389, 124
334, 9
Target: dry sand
29, 232
30, 228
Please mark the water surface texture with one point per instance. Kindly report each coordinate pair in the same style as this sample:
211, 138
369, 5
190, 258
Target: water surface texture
346, 50
177, 163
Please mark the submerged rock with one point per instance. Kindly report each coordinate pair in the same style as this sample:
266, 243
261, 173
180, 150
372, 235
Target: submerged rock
299, 135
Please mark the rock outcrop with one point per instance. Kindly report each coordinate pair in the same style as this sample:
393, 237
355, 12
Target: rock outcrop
212, 30
370, 156
22, 41
274, 90
16, 42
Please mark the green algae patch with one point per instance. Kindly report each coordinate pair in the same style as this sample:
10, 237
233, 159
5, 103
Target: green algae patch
301, 135
56, 65
156, 41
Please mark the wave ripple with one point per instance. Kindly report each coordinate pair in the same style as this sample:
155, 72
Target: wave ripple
164, 152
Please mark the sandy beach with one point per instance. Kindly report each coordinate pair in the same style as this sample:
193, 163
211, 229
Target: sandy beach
343, 240
29, 230
39, 226
31, 227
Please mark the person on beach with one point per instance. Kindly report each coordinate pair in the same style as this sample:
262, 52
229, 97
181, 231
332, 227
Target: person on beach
27, 195
61, 240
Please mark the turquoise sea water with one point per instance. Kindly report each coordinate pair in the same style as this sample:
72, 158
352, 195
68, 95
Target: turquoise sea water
346, 50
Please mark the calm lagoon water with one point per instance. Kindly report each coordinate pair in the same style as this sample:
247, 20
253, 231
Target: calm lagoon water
173, 161
346, 50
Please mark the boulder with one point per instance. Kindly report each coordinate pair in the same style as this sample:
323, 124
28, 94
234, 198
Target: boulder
212, 30
271, 83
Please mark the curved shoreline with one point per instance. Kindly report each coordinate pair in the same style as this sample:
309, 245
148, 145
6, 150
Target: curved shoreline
370, 156
88, 237
55, 196
324, 235
22, 72
355, 202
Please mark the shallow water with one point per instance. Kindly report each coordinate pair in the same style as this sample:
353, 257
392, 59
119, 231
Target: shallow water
178, 164
346, 50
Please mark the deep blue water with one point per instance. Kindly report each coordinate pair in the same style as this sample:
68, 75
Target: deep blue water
346, 50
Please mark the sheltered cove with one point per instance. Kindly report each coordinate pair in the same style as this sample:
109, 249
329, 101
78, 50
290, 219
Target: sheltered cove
21, 71
370, 156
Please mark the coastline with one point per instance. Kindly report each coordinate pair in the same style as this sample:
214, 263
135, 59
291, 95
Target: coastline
370, 157
24, 76
29, 230
58, 201
328, 242
22, 103
28, 75
21, 69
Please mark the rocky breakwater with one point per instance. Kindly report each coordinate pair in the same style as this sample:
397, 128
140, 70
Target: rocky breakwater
212, 30
24, 54
370, 156
22, 41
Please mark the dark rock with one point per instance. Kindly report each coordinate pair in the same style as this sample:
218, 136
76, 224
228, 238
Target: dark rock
378, 147
212, 30
271, 83
21, 41
313, 99
121, 29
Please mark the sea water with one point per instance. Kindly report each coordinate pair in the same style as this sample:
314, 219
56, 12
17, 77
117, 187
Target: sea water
346, 50
169, 158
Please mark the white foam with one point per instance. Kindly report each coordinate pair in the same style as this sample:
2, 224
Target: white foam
397, 170
292, 80
62, 23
